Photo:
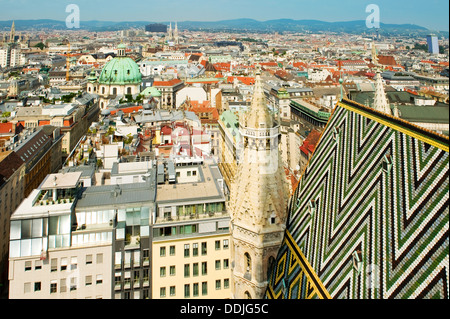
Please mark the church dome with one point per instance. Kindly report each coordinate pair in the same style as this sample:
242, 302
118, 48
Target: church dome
120, 71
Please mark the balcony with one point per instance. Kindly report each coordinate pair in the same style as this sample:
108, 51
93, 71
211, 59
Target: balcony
132, 242
190, 217
48, 197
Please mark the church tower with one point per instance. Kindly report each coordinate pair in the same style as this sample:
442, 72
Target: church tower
380, 102
12, 35
258, 200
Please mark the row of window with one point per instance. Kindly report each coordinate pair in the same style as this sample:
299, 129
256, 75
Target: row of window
64, 263
37, 286
187, 247
195, 288
195, 268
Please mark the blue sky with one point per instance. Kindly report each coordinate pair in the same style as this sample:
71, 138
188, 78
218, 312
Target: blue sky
432, 14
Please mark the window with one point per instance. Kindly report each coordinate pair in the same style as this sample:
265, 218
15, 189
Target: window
88, 280
145, 274
186, 250
37, 286
226, 283
99, 258
27, 265
162, 292
63, 284
218, 284
73, 263
186, 270
63, 264
73, 284
162, 251
162, 271
53, 286
172, 290
225, 264
204, 248
204, 288
217, 244
204, 268
187, 291
195, 289
217, 264
146, 255
248, 262
194, 173
195, 249
53, 265
195, 269
172, 270
272, 220
99, 279
37, 265
27, 287
117, 279
225, 244
172, 250
88, 259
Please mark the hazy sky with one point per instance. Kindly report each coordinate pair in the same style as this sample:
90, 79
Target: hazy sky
432, 14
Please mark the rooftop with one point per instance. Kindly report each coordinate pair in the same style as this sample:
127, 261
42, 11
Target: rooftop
61, 180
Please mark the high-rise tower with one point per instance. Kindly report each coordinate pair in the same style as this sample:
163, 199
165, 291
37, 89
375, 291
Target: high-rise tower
258, 200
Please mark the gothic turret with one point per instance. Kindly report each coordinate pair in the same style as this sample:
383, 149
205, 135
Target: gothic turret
258, 199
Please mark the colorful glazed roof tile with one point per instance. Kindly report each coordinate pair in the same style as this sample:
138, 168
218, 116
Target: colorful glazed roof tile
370, 215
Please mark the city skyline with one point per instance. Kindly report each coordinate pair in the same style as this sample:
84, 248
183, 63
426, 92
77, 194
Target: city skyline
432, 16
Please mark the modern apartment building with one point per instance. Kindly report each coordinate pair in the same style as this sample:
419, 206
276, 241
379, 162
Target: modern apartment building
134, 240
191, 255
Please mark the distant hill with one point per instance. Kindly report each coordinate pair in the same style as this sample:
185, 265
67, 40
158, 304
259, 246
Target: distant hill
245, 25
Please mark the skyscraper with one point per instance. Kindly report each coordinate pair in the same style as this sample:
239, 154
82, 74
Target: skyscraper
433, 44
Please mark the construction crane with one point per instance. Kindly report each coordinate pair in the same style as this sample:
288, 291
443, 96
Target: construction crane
68, 62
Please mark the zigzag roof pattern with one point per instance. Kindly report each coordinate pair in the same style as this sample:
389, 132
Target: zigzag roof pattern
370, 216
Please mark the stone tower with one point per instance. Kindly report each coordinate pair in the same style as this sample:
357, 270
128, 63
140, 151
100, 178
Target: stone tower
258, 200
380, 102
12, 35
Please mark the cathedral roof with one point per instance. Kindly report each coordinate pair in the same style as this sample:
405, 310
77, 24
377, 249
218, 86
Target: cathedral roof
369, 218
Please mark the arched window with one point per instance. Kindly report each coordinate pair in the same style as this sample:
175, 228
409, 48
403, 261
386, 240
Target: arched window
129, 90
103, 90
248, 262
114, 91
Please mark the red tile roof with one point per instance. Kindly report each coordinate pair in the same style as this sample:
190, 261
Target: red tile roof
309, 144
6, 128
244, 79
167, 83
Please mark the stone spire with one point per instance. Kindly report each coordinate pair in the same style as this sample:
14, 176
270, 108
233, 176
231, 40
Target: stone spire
12, 34
175, 34
258, 116
170, 33
380, 102
258, 200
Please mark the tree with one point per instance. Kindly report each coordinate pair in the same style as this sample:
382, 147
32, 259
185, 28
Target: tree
40, 45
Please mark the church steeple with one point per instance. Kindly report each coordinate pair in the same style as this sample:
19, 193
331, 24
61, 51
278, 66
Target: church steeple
12, 34
258, 199
380, 102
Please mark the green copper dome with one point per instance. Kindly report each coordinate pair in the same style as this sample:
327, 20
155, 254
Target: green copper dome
120, 71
